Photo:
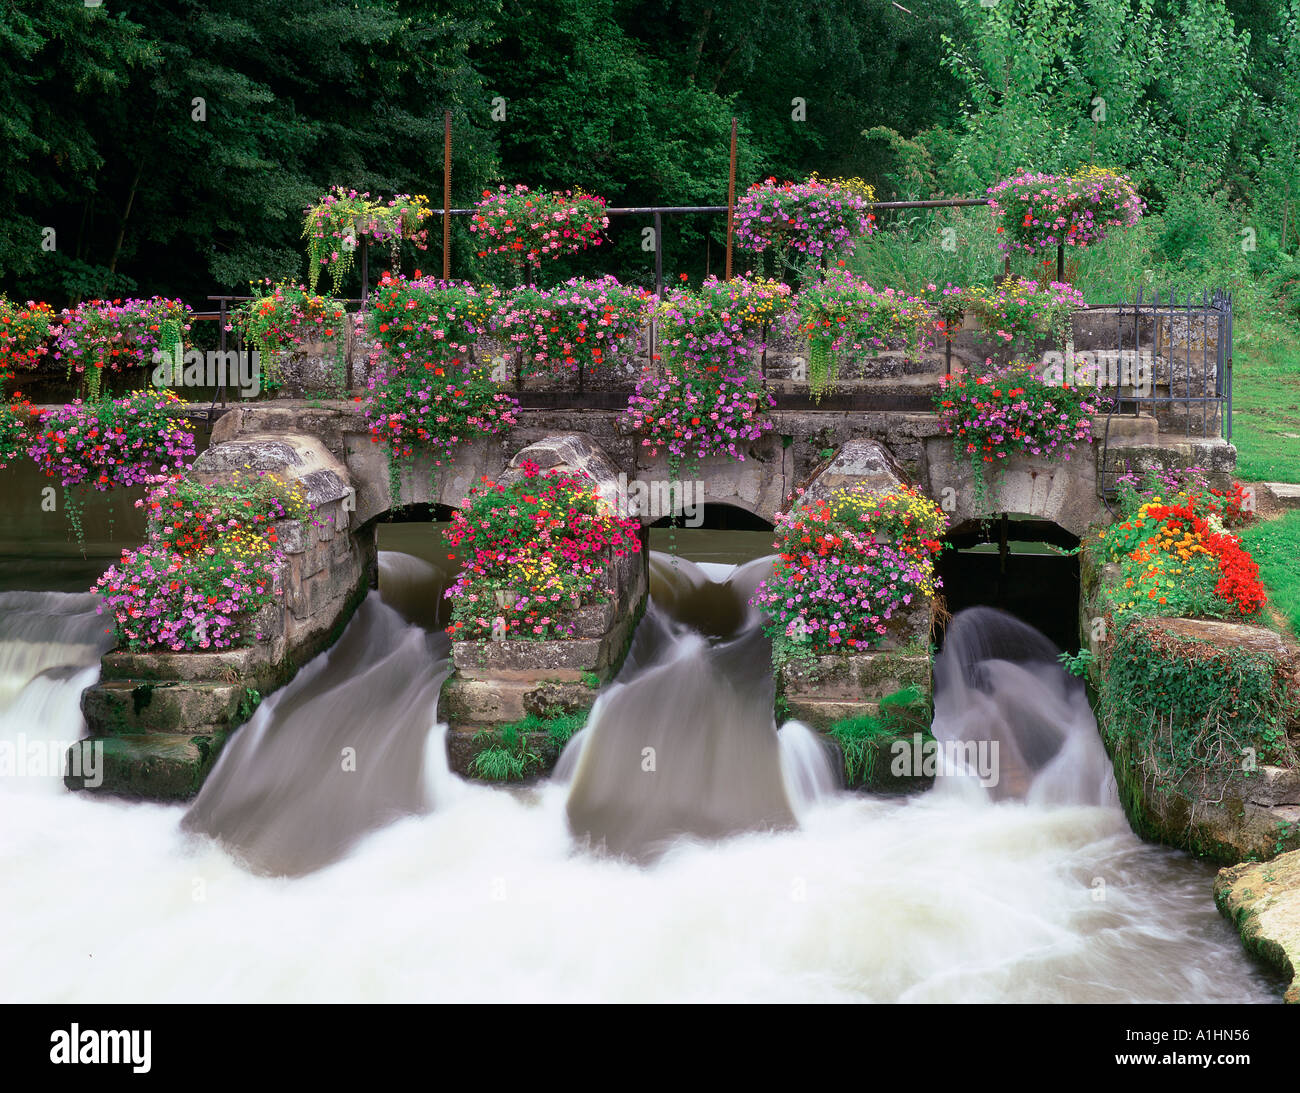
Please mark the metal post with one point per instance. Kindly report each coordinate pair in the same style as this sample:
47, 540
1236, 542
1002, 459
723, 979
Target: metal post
1060, 261
659, 253
731, 195
365, 272
446, 196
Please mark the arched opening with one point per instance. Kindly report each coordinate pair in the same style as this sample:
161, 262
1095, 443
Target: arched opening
713, 532
1020, 564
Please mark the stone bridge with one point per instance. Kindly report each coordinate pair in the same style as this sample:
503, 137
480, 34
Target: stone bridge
163, 718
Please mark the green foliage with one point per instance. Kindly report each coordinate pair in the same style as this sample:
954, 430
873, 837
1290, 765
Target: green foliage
863, 739
1185, 711
1077, 664
510, 756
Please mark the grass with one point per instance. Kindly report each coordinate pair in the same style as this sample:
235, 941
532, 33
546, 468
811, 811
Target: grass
862, 739
510, 756
1275, 545
1266, 401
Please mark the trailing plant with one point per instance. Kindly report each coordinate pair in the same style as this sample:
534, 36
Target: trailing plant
534, 551
1183, 710
117, 335
841, 314
849, 565
1037, 212
284, 318
343, 219
185, 515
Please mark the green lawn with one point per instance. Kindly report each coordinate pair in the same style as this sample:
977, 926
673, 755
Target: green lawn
1275, 545
1266, 401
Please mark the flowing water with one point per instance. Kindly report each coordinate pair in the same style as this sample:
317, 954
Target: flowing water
293, 878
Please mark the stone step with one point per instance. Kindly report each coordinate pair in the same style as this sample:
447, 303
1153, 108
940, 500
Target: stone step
1286, 494
152, 766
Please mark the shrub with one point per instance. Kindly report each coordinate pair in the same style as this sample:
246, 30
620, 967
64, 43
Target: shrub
24, 336
1015, 311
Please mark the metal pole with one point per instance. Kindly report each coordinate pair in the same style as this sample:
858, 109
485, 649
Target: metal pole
1060, 261
446, 196
731, 196
365, 272
659, 253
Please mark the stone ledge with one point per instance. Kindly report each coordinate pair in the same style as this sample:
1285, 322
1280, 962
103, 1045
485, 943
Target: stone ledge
1262, 900
152, 766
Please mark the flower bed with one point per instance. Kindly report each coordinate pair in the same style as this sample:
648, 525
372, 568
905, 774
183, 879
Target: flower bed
581, 325
210, 565
849, 565
534, 551
1176, 554
814, 218
708, 400
102, 335
1039, 212
527, 226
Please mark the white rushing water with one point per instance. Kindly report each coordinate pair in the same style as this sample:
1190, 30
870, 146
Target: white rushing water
485, 897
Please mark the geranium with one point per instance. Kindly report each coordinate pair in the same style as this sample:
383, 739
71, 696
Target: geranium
582, 324
1233, 507
422, 319
431, 407
812, 218
1009, 411
848, 566
14, 436
1015, 311
527, 226
111, 442
535, 550
185, 515
1039, 212
708, 400
117, 335
24, 335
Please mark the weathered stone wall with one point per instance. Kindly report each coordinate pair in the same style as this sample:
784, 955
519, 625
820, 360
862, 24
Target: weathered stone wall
162, 718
